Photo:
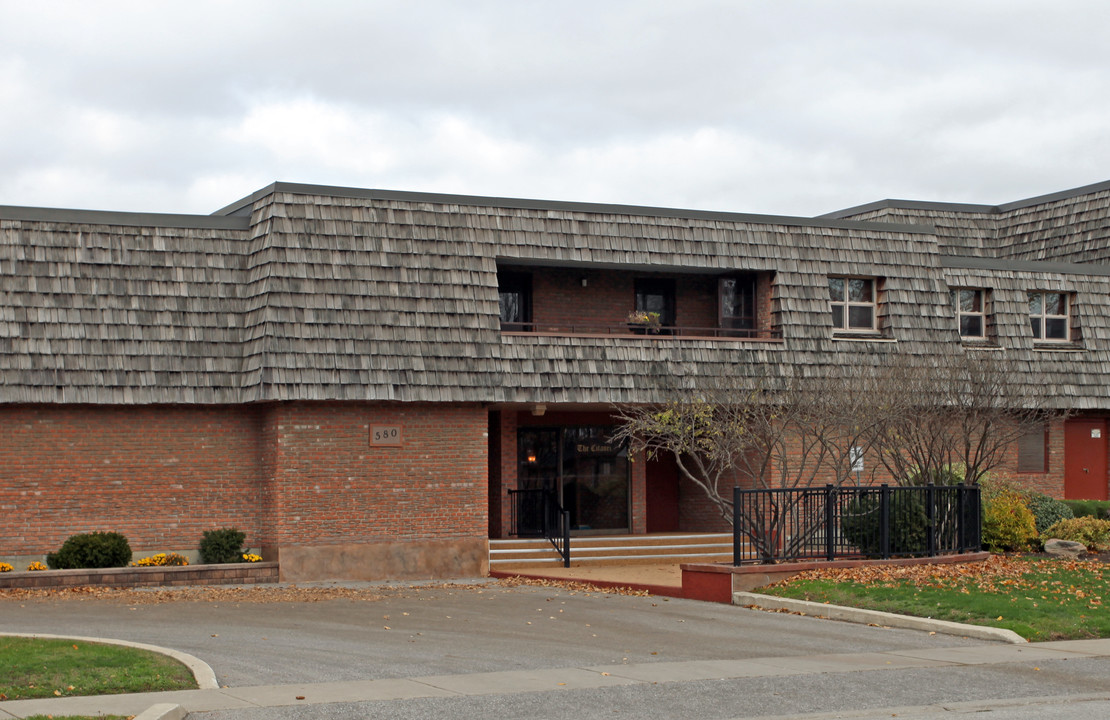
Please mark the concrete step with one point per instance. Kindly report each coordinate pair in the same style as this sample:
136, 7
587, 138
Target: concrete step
613, 550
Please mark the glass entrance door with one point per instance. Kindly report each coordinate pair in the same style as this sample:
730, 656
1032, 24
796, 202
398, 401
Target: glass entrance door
588, 472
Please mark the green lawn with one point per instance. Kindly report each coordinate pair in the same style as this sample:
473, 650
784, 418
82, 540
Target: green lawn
1036, 598
42, 668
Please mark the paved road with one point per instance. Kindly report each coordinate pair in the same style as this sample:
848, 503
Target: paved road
482, 650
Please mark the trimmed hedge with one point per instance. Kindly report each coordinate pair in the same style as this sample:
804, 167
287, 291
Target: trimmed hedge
222, 546
91, 550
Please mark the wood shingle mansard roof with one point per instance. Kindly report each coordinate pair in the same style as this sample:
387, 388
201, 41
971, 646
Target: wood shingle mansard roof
320, 293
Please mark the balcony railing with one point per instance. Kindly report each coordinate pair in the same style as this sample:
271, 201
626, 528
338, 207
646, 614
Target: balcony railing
634, 330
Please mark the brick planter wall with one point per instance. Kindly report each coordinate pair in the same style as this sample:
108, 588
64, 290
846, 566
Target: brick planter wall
229, 574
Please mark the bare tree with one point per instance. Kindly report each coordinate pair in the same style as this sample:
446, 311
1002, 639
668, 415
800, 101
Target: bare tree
780, 433
963, 410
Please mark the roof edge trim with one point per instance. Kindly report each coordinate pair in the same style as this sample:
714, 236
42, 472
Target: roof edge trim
111, 217
562, 205
910, 205
978, 263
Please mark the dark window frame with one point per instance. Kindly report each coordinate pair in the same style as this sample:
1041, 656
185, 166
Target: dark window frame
664, 288
518, 284
747, 283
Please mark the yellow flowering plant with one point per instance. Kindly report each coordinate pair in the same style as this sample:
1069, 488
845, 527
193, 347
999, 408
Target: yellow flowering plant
36, 566
5, 567
161, 560
251, 557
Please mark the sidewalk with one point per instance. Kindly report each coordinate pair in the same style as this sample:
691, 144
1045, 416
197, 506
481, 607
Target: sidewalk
559, 679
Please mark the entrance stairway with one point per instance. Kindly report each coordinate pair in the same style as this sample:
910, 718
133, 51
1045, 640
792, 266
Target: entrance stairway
586, 550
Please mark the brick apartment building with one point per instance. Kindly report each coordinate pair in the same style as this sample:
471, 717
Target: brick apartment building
358, 378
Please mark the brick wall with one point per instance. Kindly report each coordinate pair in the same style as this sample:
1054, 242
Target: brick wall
334, 487
288, 474
159, 475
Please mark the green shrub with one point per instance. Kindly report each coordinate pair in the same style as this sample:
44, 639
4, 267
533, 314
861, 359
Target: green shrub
1007, 522
1090, 508
908, 523
222, 546
91, 550
1092, 532
1047, 511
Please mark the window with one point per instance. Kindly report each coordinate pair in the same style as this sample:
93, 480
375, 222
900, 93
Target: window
656, 296
514, 292
853, 304
1048, 316
737, 302
971, 316
1032, 451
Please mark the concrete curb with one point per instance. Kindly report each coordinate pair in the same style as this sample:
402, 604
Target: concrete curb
202, 671
162, 711
875, 617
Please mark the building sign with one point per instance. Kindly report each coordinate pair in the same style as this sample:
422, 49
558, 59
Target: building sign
855, 457
596, 448
385, 435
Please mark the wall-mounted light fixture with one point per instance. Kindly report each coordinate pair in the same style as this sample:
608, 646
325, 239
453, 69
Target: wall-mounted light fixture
532, 458
584, 282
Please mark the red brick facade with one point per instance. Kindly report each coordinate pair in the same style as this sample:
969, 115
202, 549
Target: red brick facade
295, 477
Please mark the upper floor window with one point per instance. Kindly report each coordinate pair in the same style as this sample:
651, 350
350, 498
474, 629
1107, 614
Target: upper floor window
971, 313
1049, 316
737, 302
853, 304
514, 293
656, 296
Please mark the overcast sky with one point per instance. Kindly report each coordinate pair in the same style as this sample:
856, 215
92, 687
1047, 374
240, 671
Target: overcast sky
779, 106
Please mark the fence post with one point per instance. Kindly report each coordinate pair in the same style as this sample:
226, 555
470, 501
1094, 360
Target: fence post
737, 551
931, 520
884, 521
830, 518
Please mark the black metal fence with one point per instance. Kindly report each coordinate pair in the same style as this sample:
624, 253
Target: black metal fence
537, 513
829, 523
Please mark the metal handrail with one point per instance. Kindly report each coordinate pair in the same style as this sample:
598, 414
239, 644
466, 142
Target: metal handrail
554, 519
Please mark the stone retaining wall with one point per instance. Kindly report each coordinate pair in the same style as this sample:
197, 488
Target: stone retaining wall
230, 574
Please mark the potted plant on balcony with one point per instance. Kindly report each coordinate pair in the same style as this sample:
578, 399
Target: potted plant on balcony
645, 323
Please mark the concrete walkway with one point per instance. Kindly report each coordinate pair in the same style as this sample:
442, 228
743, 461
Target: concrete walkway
562, 679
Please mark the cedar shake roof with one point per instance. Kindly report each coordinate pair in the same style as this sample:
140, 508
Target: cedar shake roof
305, 292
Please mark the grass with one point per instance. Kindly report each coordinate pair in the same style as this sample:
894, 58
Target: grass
1037, 599
43, 668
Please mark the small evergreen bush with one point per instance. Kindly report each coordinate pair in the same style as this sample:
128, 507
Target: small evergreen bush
222, 546
1092, 532
1007, 522
1046, 510
91, 550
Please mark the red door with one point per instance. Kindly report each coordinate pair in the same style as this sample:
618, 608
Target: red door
662, 494
1085, 460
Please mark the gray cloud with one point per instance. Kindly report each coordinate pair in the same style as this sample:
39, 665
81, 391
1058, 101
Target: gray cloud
794, 107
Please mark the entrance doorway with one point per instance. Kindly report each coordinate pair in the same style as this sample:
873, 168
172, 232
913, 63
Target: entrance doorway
662, 494
1085, 451
587, 473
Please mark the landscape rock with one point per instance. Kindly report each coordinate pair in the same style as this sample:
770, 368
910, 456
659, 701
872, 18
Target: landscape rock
1064, 548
